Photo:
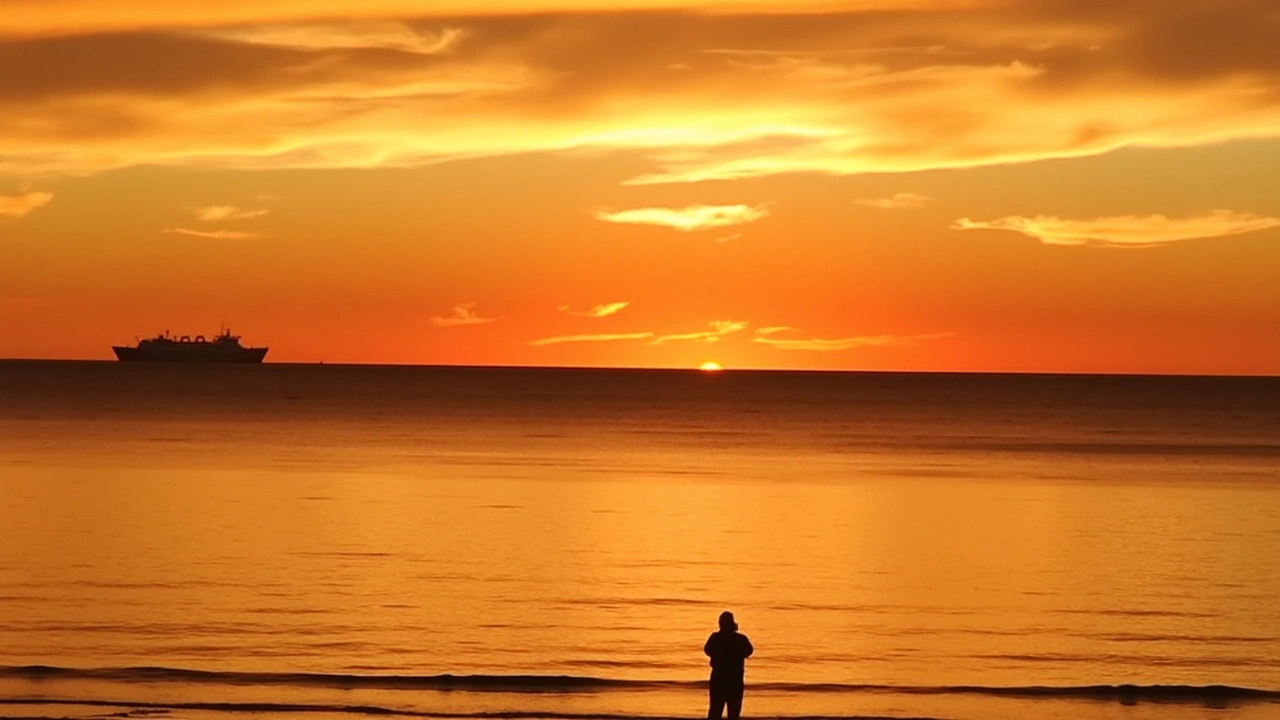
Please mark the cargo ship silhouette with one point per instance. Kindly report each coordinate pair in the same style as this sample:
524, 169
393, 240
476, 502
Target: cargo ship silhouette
222, 348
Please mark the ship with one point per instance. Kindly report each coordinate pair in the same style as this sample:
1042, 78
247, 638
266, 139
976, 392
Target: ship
221, 348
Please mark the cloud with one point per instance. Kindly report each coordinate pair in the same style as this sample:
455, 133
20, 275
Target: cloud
896, 202
695, 217
1125, 230
16, 206
215, 213
388, 35
829, 88
71, 17
768, 336
598, 311
719, 328
215, 234
607, 337
463, 314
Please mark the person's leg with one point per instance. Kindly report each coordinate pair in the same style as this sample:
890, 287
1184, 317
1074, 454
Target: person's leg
717, 703
734, 700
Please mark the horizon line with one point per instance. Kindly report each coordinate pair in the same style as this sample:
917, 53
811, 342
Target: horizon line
628, 368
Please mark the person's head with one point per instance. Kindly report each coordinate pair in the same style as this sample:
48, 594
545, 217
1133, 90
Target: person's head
726, 622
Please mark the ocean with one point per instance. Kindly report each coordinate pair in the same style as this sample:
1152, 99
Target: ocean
337, 541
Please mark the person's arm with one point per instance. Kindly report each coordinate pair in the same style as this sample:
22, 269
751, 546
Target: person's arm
707, 647
747, 648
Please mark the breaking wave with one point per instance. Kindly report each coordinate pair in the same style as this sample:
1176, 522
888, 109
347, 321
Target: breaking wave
576, 683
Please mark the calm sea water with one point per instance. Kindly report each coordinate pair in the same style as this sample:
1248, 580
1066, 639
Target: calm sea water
206, 541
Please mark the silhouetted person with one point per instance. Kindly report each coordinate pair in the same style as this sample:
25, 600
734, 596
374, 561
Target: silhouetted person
728, 650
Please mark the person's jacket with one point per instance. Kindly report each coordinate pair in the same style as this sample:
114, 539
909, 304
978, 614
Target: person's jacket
728, 651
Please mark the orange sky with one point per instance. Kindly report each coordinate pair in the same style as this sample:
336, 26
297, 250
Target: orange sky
1021, 185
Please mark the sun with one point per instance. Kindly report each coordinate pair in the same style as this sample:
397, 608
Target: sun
710, 366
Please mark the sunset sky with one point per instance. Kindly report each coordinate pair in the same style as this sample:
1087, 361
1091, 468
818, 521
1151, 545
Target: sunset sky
1005, 185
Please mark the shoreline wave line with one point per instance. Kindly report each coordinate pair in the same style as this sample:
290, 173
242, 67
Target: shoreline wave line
576, 683
268, 707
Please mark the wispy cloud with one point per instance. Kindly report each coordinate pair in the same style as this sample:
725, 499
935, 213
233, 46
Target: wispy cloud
598, 311
463, 314
769, 336
1125, 230
719, 328
71, 17
215, 234
689, 219
16, 206
217, 213
604, 337
386, 35
897, 202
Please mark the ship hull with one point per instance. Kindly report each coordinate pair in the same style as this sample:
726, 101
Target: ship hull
190, 353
